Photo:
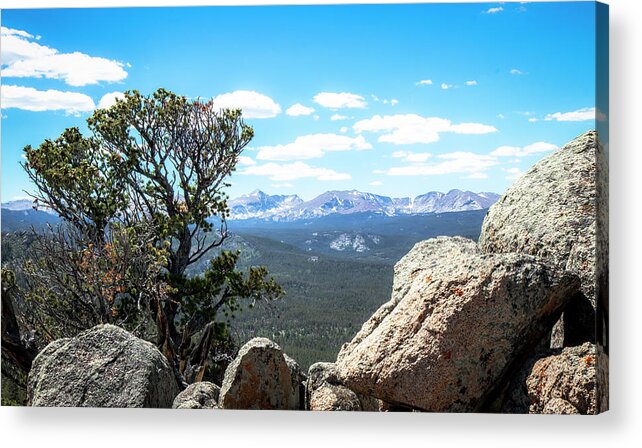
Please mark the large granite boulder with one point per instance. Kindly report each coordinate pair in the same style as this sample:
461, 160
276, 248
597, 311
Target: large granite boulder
201, 395
459, 323
325, 393
260, 377
104, 366
562, 381
558, 210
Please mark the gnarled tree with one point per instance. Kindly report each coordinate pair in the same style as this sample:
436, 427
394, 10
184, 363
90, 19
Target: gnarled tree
143, 196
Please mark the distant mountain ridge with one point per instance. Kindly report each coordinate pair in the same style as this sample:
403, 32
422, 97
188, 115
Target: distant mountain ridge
19, 205
285, 208
259, 205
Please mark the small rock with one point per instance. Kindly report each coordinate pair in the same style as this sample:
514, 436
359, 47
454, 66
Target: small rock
201, 395
324, 393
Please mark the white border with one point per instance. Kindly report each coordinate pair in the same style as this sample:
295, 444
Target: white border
619, 427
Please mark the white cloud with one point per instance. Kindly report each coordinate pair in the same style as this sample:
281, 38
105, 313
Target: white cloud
477, 175
299, 109
404, 129
472, 128
502, 116
340, 100
418, 157
16, 47
392, 101
312, 146
516, 151
23, 58
246, 161
424, 82
344, 129
513, 173
533, 119
584, 114
469, 163
375, 183
471, 83
12, 32
515, 71
337, 117
494, 10
412, 157
109, 99
445, 86
76, 69
292, 171
253, 104
28, 98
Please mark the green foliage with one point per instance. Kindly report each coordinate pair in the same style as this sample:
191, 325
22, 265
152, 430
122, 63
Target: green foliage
76, 179
176, 152
223, 285
138, 199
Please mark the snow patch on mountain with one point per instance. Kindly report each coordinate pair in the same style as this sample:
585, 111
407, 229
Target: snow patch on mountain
345, 241
291, 207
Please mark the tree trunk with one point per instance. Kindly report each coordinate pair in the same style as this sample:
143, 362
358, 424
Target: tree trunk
13, 347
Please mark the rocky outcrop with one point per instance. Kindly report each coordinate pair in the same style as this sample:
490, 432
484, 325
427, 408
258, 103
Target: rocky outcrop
325, 393
558, 382
260, 377
104, 366
558, 210
457, 324
201, 395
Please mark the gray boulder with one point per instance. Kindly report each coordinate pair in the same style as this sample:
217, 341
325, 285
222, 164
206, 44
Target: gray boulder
261, 378
325, 393
456, 327
104, 366
201, 395
558, 210
562, 381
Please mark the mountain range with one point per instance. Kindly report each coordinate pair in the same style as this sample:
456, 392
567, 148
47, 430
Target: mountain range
259, 205
287, 208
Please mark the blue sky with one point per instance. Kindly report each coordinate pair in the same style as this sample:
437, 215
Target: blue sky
394, 99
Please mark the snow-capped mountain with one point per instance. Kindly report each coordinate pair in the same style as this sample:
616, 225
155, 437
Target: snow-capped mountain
346, 202
291, 207
453, 201
19, 205
260, 205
